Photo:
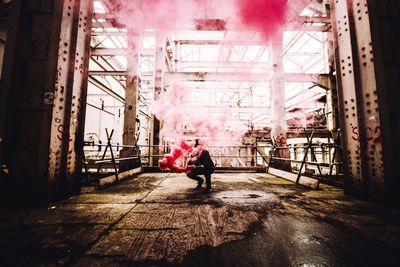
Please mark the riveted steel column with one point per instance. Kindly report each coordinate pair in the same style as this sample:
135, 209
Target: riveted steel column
385, 33
131, 95
158, 87
67, 99
358, 97
349, 108
277, 86
40, 79
368, 99
82, 29
28, 75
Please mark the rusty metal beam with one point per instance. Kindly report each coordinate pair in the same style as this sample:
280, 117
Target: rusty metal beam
108, 52
236, 76
46, 81
222, 64
325, 81
384, 33
359, 100
69, 89
108, 72
79, 92
106, 89
109, 33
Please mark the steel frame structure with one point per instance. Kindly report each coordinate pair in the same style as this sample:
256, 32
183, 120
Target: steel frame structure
43, 92
233, 65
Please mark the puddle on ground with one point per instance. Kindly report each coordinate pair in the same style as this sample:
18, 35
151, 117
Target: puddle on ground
243, 197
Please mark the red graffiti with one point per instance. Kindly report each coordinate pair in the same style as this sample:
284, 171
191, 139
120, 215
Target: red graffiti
60, 129
369, 138
377, 139
371, 134
355, 136
374, 135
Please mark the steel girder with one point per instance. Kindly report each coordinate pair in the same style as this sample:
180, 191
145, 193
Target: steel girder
45, 76
156, 124
79, 89
67, 124
237, 77
131, 95
358, 99
385, 32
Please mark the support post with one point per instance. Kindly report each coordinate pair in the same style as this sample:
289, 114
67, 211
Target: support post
131, 96
362, 97
44, 87
158, 87
385, 31
278, 103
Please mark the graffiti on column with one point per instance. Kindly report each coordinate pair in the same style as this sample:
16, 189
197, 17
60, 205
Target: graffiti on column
60, 130
372, 134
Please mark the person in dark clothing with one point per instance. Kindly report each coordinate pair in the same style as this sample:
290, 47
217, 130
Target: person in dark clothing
203, 166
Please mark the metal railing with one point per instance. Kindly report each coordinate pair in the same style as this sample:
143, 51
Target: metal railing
312, 159
105, 158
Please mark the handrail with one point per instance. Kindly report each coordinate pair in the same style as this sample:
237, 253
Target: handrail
322, 154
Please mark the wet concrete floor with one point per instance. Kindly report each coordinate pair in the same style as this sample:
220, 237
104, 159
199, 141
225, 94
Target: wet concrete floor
160, 219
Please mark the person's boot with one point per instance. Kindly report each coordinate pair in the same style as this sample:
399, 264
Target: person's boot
208, 182
200, 182
208, 190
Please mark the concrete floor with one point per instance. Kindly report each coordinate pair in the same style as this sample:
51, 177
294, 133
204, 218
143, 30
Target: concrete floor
159, 219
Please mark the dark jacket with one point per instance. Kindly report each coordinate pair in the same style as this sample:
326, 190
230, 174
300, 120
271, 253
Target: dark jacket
205, 160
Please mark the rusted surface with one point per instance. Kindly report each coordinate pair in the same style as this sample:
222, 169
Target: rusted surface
250, 219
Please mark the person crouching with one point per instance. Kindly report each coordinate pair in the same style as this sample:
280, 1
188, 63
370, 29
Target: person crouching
203, 165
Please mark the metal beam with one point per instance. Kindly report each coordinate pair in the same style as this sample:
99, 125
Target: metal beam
295, 7
222, 64
106, 89
306, 19
215, 76
79, 90
106, 16
235, 77
219, 42
236, 109
108, 72
108, 33
108, 52
102, 62
295, 22
325, 81
107, 25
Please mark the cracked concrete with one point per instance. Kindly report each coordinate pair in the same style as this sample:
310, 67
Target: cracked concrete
159, 219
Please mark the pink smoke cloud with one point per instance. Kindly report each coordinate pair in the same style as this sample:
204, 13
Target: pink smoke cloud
265, 16
161, 15
165, 16
181, 121
179, 151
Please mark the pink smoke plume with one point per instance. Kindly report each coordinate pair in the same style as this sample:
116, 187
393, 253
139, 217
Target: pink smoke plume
180, 120
166, 16
160, 15
179, 151
266, 16
170, 108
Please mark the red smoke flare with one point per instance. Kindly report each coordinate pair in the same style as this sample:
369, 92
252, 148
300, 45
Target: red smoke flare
178, 152
266, 16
